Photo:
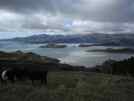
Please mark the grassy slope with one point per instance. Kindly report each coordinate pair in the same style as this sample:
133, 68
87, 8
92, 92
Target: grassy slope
72, 86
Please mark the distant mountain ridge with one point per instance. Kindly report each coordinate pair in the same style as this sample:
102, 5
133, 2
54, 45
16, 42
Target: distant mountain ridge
104, 39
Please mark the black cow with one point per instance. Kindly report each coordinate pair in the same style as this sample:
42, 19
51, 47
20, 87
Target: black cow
22, 70
37, 75
13, 74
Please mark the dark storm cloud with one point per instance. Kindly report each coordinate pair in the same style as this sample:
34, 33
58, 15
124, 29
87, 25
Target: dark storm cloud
108, 10
76, 16
97, 10
24, 6
35, 6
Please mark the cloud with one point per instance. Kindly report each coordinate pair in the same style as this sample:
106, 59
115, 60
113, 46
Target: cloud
98, 10
67, 16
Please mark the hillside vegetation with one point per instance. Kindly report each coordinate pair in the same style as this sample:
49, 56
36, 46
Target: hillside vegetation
21, 56
72, 86
123, 67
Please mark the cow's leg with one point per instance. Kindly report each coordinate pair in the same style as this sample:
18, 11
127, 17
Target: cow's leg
45, 80
32, 81
42, 80
3, 82
12, 79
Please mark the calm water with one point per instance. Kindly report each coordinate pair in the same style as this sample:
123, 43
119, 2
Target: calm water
72, 54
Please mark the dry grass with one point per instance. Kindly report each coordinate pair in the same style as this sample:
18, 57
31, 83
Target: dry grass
72, 86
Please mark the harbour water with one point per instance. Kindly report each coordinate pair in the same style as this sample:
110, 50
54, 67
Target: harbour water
72, 54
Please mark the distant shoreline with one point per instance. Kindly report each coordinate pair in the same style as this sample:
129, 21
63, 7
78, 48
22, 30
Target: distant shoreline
113, 50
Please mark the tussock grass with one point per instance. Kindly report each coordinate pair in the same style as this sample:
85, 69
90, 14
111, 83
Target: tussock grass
72, 86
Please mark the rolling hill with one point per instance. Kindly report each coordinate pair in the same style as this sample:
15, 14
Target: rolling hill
102, 39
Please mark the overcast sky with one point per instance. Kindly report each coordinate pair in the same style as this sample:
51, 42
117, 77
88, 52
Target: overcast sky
27, 17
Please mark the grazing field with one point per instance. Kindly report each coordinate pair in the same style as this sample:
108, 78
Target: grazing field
71, 86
